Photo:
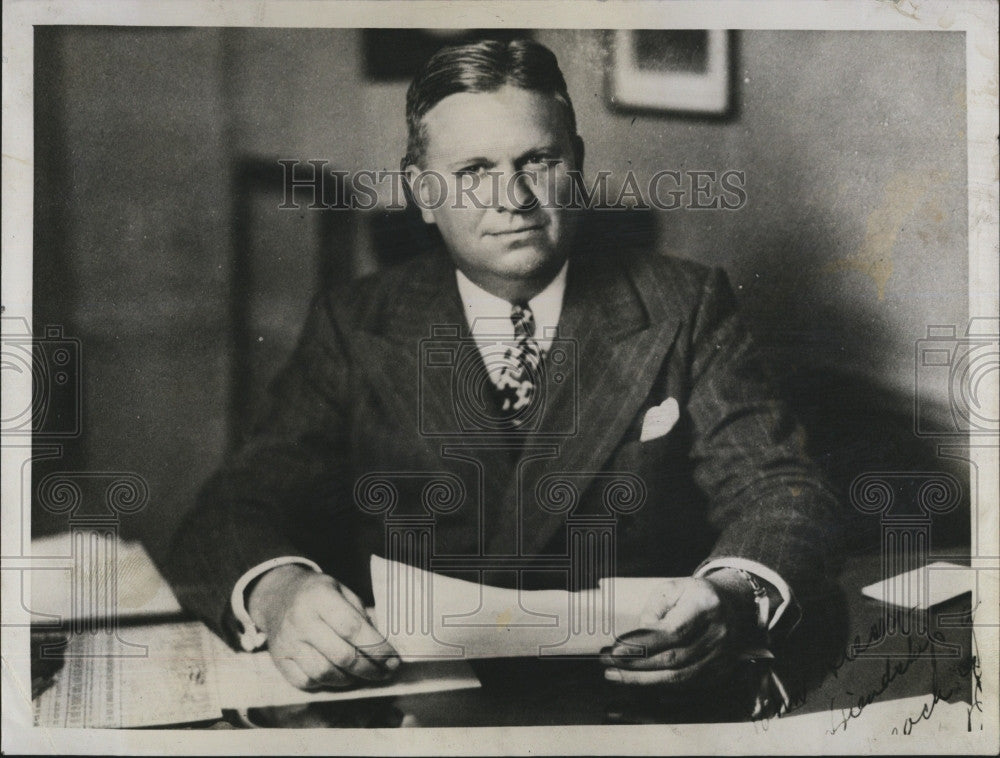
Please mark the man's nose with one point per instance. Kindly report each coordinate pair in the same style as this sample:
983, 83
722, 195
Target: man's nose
517, 192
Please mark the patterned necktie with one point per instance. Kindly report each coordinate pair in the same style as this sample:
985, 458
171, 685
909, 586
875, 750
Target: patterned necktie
520, 377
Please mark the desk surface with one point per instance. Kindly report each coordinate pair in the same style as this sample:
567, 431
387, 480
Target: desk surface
917, 654
839, 678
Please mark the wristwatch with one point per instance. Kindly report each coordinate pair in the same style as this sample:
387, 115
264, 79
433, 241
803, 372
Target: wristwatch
760, 599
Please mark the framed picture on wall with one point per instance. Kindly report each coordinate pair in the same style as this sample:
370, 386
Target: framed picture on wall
677, 70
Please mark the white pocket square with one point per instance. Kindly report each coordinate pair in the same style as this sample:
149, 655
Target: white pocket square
659, 420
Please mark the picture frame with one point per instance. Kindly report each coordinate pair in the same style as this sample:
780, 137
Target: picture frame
684, 71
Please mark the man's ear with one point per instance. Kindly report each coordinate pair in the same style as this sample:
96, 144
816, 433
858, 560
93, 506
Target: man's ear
421, 192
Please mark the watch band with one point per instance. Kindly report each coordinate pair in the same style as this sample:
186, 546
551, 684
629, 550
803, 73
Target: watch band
760, 599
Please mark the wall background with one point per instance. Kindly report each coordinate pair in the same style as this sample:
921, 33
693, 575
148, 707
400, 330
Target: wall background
853, 239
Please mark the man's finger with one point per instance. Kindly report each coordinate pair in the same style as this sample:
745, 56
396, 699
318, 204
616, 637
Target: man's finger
670, 658
320, 670
663, 676
697, 607
663, 598
680, 628
342, 654
293, 668
353, 626
352, 598
292, 672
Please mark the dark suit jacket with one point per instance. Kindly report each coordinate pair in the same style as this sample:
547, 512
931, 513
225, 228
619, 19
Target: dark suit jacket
372, 431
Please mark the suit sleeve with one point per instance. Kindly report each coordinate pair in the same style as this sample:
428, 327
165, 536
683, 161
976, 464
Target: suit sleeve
254, 509
767, 500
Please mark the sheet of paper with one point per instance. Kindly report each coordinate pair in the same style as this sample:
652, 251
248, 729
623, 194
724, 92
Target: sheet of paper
251, 680
142, 676
140, 591
922, 588
159, 674
429, 616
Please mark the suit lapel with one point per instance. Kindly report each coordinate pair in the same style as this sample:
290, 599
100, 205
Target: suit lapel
412, 352
614, 354
618, 356
423, 320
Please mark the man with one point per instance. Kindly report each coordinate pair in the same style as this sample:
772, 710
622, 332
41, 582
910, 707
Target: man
589, 368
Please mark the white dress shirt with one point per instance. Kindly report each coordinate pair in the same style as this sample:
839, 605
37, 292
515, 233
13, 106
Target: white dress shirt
488, 318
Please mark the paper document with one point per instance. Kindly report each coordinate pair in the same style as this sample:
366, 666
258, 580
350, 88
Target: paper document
120, 574
251, 680
157, 674
429, 616
141, 676
924, 587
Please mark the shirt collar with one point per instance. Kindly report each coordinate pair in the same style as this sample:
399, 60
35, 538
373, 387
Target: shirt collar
488, 316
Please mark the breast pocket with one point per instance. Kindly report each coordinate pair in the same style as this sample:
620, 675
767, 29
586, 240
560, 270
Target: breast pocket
658, 460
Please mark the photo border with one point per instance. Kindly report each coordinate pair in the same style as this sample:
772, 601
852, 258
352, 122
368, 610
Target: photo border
977, 19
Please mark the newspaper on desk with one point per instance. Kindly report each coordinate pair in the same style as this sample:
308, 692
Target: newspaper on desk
181, 673
136, 676
127, 675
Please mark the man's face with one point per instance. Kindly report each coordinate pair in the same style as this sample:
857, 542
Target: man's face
505, 159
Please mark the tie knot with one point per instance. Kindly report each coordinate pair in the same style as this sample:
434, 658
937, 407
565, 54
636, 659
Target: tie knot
523, 319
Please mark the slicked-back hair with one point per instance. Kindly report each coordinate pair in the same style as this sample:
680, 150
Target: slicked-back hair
483, 66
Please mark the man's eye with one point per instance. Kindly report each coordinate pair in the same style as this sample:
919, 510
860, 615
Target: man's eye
476, 170
541, 159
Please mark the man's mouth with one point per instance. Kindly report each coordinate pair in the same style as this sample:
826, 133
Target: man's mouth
518, 230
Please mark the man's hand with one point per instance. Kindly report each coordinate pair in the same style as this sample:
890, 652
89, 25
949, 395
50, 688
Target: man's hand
317, 630
691, 631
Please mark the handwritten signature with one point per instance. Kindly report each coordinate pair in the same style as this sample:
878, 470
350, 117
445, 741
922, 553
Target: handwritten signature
972, 665
894, 668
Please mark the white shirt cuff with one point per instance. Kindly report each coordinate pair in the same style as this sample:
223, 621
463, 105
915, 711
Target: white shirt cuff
761, 571
252, 638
